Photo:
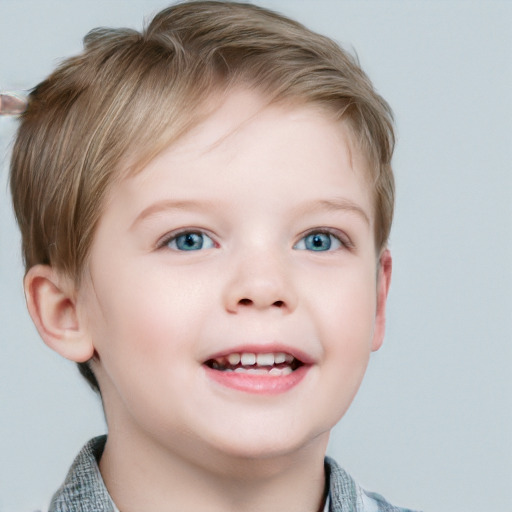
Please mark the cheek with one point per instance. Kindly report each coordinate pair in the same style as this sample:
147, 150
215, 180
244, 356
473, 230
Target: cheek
142, 326
141, 346
347, 307
345, 325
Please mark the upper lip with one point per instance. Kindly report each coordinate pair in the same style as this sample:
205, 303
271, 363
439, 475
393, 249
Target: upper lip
267, 348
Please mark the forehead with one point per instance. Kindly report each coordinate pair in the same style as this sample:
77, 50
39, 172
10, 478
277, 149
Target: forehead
243, 118
249, 147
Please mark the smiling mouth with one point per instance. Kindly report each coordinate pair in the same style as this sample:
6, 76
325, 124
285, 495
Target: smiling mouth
272, 363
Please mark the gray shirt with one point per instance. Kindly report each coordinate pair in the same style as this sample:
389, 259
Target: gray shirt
84, 489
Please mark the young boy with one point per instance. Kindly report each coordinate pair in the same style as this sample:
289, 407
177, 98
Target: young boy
205, 209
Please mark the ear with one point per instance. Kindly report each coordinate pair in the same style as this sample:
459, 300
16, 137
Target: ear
383, 282
52, 306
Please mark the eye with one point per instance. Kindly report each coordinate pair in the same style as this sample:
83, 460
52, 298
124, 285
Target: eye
318, 241
190, 241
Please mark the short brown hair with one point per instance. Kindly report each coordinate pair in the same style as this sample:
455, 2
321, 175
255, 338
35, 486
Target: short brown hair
130, 94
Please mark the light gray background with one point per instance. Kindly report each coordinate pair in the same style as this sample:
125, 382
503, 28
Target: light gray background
432, 425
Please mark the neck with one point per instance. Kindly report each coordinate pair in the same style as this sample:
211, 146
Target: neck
143, 475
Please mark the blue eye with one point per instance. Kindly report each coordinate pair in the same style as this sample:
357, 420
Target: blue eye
190, 241
318, 241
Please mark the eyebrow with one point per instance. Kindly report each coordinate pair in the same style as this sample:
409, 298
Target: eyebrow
170, 205
338, 204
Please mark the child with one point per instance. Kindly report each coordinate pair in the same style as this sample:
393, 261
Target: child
205, 209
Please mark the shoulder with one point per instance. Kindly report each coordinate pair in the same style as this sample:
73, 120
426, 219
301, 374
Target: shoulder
346, 494
83, 489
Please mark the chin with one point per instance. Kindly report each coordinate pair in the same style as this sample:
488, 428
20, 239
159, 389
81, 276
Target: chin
266, 445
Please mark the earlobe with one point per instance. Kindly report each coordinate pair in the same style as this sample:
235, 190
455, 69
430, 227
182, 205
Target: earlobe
52, 306
383, 282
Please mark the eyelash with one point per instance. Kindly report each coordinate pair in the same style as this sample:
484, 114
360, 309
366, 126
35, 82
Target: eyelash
302, 244
173, 237
339, 237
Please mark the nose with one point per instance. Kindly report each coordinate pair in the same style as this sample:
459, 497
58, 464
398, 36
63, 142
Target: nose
260, 282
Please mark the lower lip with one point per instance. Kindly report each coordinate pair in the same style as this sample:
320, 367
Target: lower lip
258, 384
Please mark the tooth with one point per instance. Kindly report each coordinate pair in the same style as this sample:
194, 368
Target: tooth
257, 371
279, 358
276, 371
289, 358
240, 370
287, 370
248, 358
234, 359
265, 359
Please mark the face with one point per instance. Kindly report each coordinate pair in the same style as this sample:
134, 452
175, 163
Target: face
232, 293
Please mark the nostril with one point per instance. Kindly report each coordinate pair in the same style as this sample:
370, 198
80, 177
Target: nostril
250, 302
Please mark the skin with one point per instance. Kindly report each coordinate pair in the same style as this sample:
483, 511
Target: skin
11, 105
256, 180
